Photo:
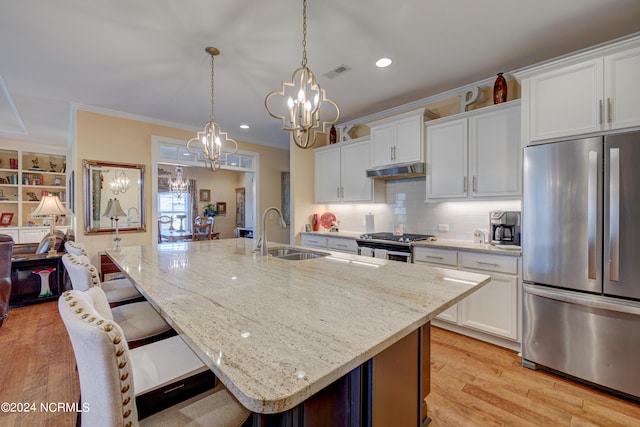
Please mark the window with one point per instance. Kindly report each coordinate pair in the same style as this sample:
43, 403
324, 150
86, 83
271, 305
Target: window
178, 208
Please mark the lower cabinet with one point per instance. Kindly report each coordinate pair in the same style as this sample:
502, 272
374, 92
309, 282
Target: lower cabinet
340, 244
492, 313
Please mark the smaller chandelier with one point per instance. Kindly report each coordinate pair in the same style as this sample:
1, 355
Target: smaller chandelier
304, 100
179, 185
212, 139
120, 184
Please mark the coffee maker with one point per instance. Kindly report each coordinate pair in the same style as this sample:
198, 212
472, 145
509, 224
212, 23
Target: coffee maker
505, 227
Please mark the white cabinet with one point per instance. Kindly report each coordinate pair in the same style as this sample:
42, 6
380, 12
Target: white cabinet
475, 156
33, 235
340, 173
398, 139
313, 240
594, 95
447, 160
13, 232
492, 312
340, 244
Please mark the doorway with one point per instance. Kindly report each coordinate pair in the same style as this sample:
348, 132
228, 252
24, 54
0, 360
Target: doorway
210, 193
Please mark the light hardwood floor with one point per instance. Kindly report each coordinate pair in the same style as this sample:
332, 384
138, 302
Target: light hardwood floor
472, 384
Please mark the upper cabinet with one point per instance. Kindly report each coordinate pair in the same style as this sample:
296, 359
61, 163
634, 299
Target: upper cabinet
592, 95
398, 139
340, 173
475, 155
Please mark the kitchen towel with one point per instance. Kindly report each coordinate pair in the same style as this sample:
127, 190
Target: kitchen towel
366, 252
381, 253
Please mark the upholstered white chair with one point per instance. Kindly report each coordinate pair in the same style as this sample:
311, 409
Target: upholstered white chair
139, 320
110, 373
118, 291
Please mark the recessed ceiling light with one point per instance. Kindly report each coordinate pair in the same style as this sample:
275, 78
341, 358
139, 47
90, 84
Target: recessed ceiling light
383, 62
244, 126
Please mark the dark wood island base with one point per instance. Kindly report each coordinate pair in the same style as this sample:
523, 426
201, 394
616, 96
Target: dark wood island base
387, 390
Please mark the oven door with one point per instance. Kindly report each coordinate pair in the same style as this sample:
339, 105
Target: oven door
399, 256
384, 251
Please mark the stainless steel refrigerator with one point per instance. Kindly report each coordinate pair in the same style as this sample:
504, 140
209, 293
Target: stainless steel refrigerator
581, 260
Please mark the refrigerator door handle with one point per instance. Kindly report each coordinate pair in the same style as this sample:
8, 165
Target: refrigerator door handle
614, 214
592, 214
587, 300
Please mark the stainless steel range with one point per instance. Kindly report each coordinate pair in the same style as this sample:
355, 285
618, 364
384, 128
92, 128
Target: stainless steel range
389, 245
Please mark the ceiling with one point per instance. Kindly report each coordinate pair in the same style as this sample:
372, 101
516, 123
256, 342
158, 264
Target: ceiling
146, 58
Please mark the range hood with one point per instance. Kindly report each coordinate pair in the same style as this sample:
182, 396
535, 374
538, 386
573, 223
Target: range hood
397, 171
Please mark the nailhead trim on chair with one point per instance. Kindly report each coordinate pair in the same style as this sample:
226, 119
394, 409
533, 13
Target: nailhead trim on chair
116, 339
93, 272
82, 250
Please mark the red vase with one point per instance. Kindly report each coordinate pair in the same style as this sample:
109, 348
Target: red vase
316, 223
500, 90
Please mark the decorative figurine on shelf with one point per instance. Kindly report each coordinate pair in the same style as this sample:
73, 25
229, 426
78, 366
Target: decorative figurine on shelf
35, 166
333, 135
53, 167
2, 196
500, 90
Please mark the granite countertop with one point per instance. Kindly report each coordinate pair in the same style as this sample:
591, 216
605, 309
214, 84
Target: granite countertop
276, 332
466, 245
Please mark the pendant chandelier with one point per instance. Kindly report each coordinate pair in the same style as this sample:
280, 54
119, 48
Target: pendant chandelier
304, 100
209, 143
179, 186
120, 184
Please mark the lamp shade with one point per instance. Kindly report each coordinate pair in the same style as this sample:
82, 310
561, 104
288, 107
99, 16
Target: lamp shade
107, 211
114, 209
50, 205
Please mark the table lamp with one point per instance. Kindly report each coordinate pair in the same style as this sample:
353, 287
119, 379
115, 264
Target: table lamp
50, 206
113, 211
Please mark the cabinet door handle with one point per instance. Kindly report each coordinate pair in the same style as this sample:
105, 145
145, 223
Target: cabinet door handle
433, 257
464, 184
601, 113
609, 108
614, 214
391, 148
491, 264
475, 184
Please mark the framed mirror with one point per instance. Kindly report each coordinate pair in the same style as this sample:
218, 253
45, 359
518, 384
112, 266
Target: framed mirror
106, 182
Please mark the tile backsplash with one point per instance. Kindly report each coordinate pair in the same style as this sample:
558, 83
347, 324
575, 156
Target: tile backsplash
405, 204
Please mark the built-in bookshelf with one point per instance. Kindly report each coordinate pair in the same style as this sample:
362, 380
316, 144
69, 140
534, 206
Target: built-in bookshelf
26, 176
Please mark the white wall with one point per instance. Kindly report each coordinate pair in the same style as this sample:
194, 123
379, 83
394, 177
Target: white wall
405, 204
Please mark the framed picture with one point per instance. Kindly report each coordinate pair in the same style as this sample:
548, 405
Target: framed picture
221, 207
5, 219
205, 195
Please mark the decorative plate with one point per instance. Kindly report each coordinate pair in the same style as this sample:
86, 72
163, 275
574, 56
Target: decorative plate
327, 219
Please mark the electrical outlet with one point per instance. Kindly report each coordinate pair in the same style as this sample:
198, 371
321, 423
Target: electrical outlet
443, 227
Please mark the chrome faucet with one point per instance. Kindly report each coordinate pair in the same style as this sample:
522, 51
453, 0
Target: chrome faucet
262, 243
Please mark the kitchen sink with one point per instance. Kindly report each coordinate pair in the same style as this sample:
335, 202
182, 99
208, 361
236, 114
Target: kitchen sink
294, 254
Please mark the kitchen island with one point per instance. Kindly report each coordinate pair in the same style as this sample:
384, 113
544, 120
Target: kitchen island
340, 336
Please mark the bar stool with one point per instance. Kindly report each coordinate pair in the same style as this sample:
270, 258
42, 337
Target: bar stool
119, 291
140, 322
110, 372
